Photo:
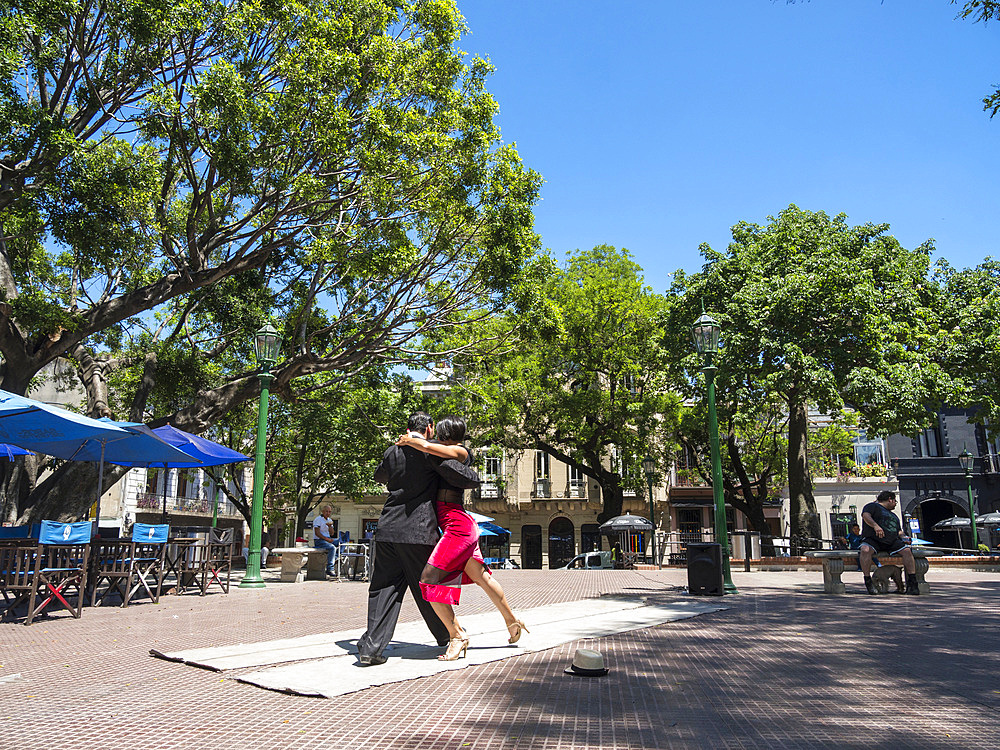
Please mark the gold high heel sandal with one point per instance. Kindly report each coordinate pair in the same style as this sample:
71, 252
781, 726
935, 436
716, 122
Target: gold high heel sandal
515, 629
456, 649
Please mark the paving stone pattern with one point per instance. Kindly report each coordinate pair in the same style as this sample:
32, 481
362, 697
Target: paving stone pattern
785, 667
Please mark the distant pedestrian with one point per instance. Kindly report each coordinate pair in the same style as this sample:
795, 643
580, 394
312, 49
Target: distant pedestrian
323, 537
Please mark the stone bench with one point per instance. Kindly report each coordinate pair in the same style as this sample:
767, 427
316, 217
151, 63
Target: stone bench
833, 565
292, 559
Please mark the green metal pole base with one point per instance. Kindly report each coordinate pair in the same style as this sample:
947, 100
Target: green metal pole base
257, 583
727, 577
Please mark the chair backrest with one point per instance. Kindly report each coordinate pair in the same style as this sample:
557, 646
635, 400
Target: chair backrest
20, 532
221, 536
148, 533
53, 532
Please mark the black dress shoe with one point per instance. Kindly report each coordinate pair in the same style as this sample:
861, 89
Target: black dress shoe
371, 660
869, 586
912, 588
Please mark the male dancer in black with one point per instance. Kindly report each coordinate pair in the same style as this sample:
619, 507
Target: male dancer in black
405, 537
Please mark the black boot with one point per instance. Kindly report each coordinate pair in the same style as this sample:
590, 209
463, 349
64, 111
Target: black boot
911, 584
869, 585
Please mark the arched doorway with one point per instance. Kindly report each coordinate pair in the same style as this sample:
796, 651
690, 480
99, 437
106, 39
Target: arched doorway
531, 546
561, 547
932, 509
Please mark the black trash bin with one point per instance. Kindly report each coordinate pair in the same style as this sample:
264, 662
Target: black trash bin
704, 563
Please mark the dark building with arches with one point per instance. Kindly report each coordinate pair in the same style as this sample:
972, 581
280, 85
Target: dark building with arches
932, 484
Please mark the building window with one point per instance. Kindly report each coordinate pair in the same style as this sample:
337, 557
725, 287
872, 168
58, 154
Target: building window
689, 524
590, 538
929, 442
492, 472
577, 485
541, 465
543, 485
868, 452
152, 480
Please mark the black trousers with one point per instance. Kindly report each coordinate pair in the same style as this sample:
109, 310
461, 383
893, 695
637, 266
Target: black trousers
397, 567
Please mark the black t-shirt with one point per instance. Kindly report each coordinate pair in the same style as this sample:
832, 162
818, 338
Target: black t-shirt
883, 517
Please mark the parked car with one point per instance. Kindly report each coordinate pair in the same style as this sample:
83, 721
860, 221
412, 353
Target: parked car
590, 561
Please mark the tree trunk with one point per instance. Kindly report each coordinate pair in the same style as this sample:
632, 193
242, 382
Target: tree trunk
802, 504
68, 493
755, 518
612, 496
300, 522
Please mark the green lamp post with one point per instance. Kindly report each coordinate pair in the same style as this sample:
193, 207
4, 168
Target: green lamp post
705, 333
266, 343
647, 467
968, 460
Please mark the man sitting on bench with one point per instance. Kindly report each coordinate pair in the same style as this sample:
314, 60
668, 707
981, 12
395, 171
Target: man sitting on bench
882, 534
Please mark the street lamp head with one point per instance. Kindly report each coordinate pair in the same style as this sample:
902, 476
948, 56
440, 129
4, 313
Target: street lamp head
266, 343
705, 333
648, 466
966, 459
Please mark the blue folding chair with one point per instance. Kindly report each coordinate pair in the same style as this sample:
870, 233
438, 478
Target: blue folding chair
60, 564
149, 550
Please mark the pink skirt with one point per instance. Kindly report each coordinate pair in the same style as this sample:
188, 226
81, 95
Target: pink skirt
459, 543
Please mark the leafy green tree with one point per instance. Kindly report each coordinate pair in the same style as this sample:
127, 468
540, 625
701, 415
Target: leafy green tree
983, 11
753, 447
970, 321
171, 176
332, 442
585, 380
817, 312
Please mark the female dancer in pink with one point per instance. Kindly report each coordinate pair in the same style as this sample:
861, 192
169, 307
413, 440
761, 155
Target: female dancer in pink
456, 558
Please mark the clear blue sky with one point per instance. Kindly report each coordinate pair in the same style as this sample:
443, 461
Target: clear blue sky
658, 124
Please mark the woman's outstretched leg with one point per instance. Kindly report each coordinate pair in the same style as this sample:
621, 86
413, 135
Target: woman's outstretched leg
479, 575
432, 589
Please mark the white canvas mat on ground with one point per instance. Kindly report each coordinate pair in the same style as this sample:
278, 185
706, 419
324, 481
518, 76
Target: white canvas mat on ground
327, 663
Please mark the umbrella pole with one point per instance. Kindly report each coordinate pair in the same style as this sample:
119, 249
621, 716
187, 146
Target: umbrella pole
100, 488
166, 473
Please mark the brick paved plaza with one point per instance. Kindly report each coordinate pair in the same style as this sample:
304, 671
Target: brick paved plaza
786, 666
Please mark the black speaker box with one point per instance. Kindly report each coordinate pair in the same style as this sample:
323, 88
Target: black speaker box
704, 561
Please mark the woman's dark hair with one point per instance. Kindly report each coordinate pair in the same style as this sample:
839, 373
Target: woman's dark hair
451, 428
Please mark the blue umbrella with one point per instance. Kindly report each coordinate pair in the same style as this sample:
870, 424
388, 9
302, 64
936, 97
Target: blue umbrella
197, 451
58, 432
8, 450
210, 453
49, 429
138, 447
492, 529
